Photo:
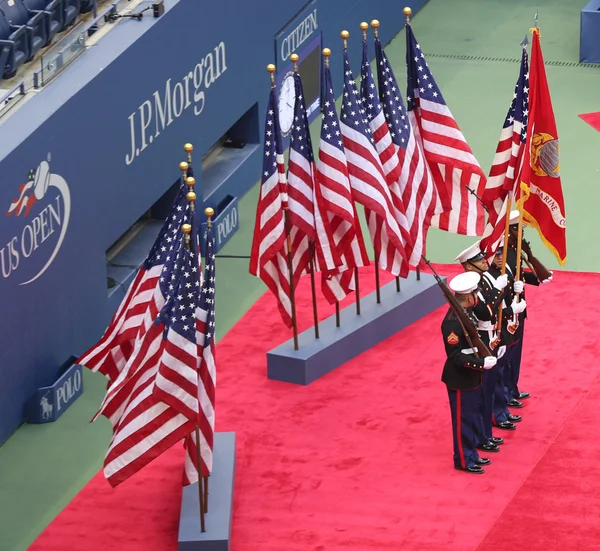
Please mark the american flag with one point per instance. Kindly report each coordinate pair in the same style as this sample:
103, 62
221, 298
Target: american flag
383, 143
207, 375
308, 225
268, 255
416, 183
507, 161
368, 181
142, 301
451, 161
338, 205
155, 401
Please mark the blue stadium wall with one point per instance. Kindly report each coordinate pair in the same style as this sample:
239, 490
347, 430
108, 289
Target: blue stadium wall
210, 57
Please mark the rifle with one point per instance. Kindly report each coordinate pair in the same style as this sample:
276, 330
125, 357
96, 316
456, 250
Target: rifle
469, 328
539, 270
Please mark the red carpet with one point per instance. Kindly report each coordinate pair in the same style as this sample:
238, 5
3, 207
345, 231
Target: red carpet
593, 119
557, 506
362, 458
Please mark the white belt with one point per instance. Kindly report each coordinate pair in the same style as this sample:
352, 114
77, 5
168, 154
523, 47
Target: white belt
469, 350
485, 326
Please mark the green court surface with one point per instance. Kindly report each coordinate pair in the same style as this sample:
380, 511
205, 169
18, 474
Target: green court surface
472, 47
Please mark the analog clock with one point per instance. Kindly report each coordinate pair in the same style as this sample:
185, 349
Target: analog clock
287, 98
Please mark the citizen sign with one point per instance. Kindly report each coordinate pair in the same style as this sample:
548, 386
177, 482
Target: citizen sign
300, 34
172, 99
40, 216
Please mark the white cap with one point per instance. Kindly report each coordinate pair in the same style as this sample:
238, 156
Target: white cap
472, 253
465, 283
514, 217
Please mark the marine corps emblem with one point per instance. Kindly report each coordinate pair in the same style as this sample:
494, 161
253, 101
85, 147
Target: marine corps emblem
544, 155
452, 338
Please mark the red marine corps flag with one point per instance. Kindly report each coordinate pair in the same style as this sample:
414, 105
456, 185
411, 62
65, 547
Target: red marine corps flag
542, 201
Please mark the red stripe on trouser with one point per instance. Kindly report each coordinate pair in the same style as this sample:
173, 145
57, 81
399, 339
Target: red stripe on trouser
461, 451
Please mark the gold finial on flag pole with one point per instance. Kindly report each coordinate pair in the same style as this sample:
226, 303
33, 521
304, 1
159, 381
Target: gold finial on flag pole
187, 230
407, 12
271, 69
188, 148
375, 25
209, 214
364, 26
326, 53
183, 166
345, 35
294, 59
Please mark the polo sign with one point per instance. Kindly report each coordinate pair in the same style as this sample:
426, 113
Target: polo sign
50, 402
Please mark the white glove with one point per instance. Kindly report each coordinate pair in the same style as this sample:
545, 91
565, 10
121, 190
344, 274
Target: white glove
489, 362
549, 279
501, 282
519, 286
501, 351
518, 307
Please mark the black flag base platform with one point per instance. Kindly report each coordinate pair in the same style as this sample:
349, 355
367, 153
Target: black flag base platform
357, 333
220, 503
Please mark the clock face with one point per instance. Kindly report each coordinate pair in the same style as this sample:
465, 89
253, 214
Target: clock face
287, 98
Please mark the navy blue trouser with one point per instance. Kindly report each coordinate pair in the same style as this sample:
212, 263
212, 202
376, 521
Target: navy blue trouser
465, 408
488, 386
500, 400
513, 367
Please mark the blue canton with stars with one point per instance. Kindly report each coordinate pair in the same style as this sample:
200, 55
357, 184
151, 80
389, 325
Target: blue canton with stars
272, 141
165, 242
207, 297
181, 283
391, 99
353, 113
330, 129
300, 138
419, 75
519, 108
368, 90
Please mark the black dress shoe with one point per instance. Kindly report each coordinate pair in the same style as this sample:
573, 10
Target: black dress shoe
496, 440
514, 403
506, 425
482, 461
514, 418
523, 395
489, 447
476, 469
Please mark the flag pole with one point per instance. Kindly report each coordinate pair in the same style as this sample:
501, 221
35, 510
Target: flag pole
191, 197
187, 229
209, 214
345, 35
364, 26
311, 247
271, 70
357, 291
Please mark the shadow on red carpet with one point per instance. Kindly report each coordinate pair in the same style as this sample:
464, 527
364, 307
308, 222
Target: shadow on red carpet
362, 458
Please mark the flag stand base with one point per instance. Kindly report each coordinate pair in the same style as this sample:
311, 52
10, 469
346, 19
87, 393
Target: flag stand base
220, 503
357, 333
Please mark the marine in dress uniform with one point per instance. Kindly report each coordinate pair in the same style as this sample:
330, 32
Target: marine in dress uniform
462, 375
504, 380
491, 293
514, 358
